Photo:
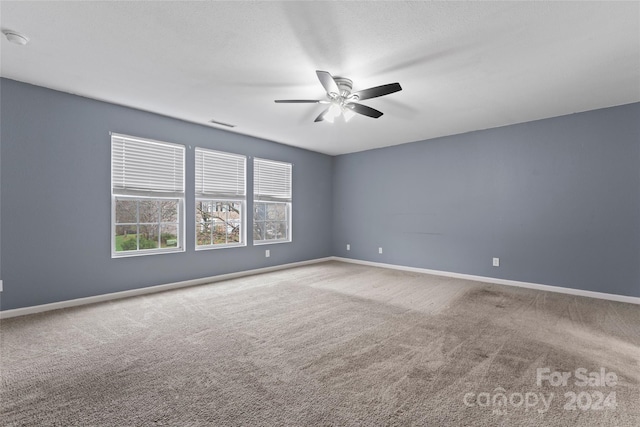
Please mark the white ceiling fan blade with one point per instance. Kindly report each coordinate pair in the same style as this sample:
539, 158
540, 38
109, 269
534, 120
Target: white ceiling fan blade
328, 82
321, 116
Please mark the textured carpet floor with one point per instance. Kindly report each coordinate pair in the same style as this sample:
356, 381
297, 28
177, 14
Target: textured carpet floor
326, 344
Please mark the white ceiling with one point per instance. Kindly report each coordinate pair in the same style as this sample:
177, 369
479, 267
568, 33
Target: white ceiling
463, 66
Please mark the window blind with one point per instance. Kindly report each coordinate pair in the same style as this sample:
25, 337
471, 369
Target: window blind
220, 175
142, 167
271, 180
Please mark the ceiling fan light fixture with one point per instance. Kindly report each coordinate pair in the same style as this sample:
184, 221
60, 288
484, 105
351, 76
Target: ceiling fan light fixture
332, 113
348, 114
342, 101
335, 110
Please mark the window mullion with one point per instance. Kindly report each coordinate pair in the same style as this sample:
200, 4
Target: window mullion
137, 225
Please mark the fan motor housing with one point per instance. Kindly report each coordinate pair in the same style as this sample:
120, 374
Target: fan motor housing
344, 84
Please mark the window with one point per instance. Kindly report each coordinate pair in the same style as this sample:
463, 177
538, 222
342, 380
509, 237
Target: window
220, 199
147, 196
272, 201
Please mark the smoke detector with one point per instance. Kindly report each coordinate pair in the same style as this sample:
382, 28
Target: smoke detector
15, 37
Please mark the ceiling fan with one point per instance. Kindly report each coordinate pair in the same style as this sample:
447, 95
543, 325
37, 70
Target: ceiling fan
342, 101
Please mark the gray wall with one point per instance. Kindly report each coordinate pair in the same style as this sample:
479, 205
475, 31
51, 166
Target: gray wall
55, 199
557, 200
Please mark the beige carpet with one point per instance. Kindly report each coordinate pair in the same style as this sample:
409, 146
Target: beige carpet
327, 344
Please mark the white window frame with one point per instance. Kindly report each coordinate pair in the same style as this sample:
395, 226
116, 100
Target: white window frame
133, 183
228, 188
273, 184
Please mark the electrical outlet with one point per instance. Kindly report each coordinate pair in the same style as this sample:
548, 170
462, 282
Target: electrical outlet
348, 247
267, 253
496, 262
379, 250
0, 285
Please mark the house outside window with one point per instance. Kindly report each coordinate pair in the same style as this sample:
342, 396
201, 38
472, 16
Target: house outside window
272, 201
147, 196
220, 199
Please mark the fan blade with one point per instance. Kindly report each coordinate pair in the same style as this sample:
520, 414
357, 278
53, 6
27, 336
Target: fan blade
364, 110
297, 101
327, 82
321, 116
377, 91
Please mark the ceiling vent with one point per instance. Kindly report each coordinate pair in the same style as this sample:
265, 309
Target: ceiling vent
215, 122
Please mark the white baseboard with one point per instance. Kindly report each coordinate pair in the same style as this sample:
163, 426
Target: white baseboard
5, 314
570, 291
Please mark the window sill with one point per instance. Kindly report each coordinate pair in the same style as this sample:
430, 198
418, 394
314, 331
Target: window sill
129, 254
269, 242
212, 247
